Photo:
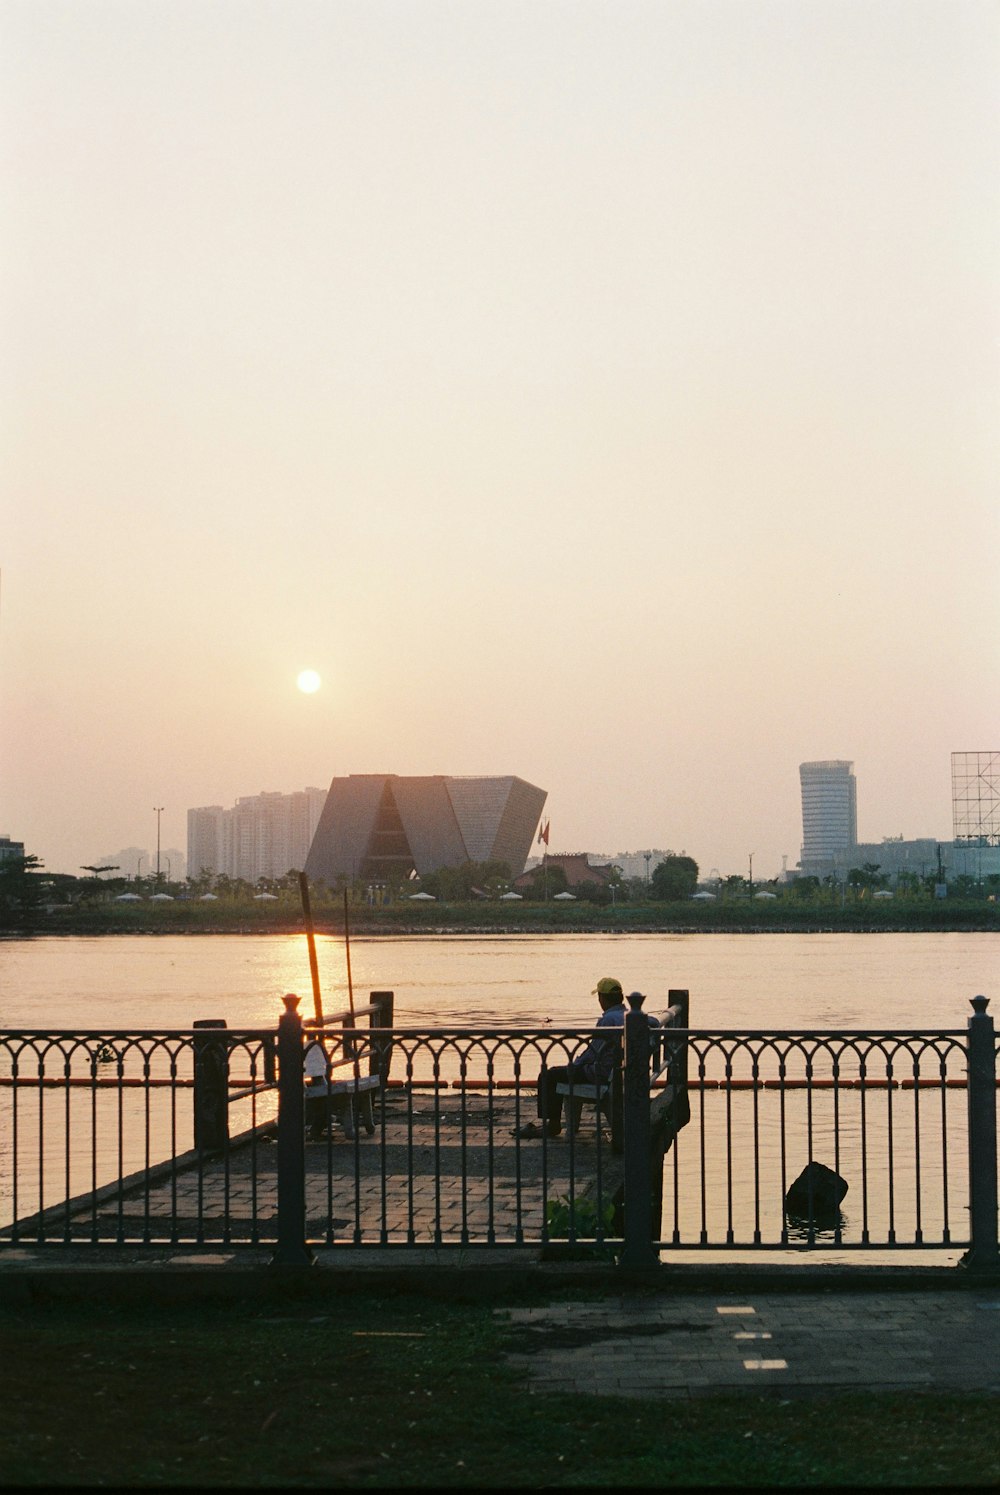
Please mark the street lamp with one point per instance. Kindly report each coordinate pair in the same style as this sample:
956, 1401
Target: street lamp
751, 874
158, 809
648, 856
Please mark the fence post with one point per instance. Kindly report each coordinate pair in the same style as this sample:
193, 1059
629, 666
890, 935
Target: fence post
291, 1250
982, 1253
638, 1248
381, 1051
211, 1086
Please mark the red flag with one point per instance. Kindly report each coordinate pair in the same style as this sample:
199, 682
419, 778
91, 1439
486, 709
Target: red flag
543, 833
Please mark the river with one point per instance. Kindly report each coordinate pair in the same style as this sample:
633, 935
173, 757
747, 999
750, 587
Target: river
743, 981
871, 982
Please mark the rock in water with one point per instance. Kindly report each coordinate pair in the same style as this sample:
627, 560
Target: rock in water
816, 1192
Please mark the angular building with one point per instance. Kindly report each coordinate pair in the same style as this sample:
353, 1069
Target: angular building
829, 814
379, 825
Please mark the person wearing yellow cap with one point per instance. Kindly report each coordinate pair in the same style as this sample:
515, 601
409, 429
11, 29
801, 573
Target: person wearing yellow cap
592, 1067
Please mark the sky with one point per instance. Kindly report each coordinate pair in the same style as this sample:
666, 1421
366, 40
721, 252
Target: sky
602, 393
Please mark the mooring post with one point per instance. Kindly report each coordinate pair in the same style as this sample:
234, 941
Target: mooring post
638, 1249
291, 1250
982, 1254
211, 1085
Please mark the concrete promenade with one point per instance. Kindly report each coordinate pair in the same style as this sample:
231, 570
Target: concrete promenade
761, 1341
681, 1331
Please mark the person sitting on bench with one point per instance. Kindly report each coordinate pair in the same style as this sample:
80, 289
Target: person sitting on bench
318, 1108
592, 1067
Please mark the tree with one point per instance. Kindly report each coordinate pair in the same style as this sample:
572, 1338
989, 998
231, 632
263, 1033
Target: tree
867, 876
21, 889
594, 892
546, 881
674, 879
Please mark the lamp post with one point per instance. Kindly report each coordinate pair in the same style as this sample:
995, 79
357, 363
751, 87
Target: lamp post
648, 856
751, 874
158, 809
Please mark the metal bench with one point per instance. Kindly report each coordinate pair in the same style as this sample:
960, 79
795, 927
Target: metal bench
599, 1096
349, 1100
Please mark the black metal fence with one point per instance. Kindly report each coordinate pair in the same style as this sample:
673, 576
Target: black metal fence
199, 1138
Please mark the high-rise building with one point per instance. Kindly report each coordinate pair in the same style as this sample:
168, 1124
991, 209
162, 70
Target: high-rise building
829, 813
377, 825
263, 835
204, 840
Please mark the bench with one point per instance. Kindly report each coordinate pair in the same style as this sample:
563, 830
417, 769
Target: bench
349, 1100
605, 1096
669, 1112
599, 1096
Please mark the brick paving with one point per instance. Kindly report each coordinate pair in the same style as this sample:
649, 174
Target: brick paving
430, 1176
788, 1343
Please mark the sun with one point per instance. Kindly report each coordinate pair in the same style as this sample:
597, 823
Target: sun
308, 682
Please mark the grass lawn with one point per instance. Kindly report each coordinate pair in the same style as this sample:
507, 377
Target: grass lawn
407, 1391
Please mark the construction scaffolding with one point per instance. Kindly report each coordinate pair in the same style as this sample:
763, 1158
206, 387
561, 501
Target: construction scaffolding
975, 798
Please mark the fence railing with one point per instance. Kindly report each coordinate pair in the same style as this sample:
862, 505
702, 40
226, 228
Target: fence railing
198, 1137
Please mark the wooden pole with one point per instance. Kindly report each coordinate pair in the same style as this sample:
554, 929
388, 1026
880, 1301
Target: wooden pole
347, 947
311, 938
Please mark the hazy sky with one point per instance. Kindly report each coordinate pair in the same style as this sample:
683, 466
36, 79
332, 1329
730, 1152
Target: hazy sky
604, 393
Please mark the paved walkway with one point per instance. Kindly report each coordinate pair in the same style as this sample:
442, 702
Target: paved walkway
430, 1174
785, 1343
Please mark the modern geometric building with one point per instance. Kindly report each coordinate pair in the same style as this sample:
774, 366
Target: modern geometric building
829, 813
380, 825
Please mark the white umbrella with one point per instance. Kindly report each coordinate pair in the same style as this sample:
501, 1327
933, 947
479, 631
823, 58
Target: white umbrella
270, 897
507, 897
883, 893
565, 896
206, 896
765, 895
703, 895
425, 897
161, 898
128, 898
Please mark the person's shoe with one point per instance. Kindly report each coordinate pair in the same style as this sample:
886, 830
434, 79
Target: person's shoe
530, 1129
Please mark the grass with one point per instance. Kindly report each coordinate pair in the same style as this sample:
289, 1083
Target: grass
399, 1391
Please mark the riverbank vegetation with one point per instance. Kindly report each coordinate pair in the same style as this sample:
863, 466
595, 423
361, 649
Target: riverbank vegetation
361, 1390
479, 899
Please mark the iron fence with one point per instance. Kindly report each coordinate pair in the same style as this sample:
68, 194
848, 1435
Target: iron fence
199, 1137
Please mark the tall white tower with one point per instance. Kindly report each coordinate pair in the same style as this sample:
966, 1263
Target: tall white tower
829, 810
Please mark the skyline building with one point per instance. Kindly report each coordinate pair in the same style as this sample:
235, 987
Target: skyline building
262, 835
389, 825
829, 813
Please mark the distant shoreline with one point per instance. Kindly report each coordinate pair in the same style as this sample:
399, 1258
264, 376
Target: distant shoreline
962, 917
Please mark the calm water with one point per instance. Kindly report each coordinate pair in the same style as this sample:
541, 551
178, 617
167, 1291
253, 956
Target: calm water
735, 981
770, 982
